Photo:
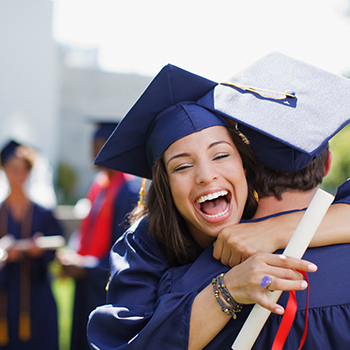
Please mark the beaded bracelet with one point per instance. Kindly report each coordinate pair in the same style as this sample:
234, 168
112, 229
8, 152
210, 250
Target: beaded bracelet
228, 310
225, 293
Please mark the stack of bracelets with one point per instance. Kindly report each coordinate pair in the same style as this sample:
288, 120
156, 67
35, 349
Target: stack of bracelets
220, 288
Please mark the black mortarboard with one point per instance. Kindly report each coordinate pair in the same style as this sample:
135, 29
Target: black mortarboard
8, 151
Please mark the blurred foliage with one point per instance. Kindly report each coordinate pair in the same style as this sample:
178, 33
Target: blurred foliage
340, 169
63, 290
65, 184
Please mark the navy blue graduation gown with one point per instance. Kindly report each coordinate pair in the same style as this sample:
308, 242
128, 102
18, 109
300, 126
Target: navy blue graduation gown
43, 313
144, 314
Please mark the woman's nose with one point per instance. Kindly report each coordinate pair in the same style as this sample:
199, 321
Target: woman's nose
206, 173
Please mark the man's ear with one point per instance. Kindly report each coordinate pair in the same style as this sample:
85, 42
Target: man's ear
327, 165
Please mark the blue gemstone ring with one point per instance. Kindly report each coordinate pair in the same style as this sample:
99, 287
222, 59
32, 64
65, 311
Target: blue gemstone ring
265, 282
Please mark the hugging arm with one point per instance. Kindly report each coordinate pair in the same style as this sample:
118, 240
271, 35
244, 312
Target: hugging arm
238, 242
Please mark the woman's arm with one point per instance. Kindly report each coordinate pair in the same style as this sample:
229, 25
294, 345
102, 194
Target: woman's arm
243, 282
236, 243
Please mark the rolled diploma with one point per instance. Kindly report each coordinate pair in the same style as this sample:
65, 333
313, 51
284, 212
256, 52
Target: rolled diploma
296, 248
43, 242
50, 242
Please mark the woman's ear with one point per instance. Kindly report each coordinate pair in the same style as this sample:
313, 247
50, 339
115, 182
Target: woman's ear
327, 165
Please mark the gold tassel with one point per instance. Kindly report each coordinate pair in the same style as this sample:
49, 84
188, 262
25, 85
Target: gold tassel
24, 326
142, 193
107, 285
239, 133
4, 332
256, 196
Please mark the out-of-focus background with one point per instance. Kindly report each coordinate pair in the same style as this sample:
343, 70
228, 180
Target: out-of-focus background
66, 63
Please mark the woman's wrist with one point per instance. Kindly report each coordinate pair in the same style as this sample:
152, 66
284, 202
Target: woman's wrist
228, 305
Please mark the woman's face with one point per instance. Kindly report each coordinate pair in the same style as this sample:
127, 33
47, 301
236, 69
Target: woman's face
17, 172
207, 181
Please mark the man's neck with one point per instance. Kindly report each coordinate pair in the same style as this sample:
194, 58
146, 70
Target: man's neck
291, 200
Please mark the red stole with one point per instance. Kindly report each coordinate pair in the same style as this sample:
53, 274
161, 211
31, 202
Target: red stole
96, 228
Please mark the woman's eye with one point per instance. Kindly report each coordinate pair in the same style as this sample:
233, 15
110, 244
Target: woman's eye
221, 156
181, 167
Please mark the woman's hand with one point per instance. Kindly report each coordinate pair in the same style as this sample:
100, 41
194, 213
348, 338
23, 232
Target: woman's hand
244, 280
244, 284
237, 243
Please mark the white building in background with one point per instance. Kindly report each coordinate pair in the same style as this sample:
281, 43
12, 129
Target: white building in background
87, 94
29, 87
48, 92
28, 75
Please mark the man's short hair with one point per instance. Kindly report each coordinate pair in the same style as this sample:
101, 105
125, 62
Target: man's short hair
271, 182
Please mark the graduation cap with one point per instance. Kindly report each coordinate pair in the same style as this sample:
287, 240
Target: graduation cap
8, 151
165, 112
288, 109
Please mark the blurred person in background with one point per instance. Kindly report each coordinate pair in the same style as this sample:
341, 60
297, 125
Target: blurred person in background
112, 195
39, 186
27, 306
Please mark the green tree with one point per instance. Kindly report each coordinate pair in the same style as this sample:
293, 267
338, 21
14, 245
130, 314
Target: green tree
65, 184
340, 169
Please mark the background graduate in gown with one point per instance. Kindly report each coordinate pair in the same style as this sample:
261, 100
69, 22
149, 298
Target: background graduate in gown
27, 306
112, 195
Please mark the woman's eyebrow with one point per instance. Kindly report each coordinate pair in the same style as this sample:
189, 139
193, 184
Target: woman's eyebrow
180, 155
218, 143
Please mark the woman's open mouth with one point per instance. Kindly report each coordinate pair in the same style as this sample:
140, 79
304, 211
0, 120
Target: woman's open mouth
214, 205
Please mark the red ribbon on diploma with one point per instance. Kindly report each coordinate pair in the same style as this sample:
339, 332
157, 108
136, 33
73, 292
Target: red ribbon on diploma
288, 318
